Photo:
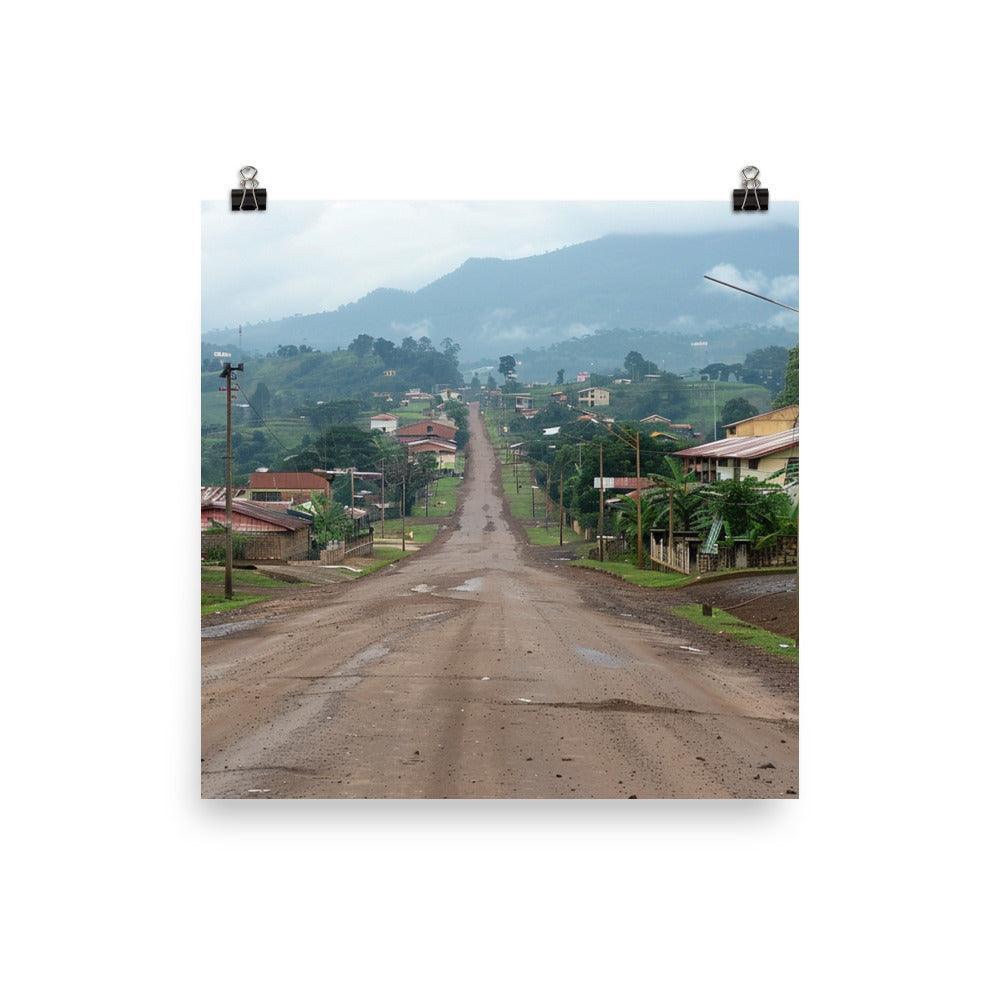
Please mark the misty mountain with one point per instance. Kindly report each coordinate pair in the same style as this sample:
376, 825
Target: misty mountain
492, 306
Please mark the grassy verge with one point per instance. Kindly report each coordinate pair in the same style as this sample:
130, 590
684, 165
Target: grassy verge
383, 556
213, 579
631, 574
212, 603
749, 635
422, 533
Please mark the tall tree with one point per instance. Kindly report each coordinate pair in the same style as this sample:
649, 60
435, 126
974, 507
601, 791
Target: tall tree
790, 393
560, 376
507, 366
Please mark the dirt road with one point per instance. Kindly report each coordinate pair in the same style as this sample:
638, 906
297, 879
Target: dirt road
467, 672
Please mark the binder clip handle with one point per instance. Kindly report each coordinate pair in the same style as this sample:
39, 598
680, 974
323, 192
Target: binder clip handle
750, 176
257, 200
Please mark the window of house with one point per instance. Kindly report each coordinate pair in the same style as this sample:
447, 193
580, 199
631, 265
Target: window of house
430, 428
272, 496
724, 462
754, 463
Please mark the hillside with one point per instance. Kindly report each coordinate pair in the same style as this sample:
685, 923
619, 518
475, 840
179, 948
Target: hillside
604, 350
491, 306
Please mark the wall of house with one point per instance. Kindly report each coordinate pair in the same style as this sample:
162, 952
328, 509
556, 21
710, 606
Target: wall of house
279, 545
767, 465
767, 423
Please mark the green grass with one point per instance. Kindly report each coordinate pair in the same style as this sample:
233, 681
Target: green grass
749, 635
548, 536
631, 574
214, 578
212, 603
422, 533
383, 556
241, 578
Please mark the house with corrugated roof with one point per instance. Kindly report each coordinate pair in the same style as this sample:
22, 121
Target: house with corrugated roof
294, 487
384, 422
744, 457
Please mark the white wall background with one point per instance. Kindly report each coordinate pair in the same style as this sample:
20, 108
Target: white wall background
119, 118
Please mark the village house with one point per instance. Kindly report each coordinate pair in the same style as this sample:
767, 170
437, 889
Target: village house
782, 419
384, 422
559, 397
595, 396
445, 395
655, 418
294, 487
522, 400
745, 457
443, 451
438, 430
266, 534
621, 381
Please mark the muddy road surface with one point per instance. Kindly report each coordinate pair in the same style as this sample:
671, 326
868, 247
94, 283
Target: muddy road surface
466, 671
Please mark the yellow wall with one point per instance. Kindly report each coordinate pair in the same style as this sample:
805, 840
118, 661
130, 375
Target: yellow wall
768, 465
766, 423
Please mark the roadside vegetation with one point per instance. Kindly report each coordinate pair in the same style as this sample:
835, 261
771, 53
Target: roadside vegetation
249, 587
741, 631
631, 574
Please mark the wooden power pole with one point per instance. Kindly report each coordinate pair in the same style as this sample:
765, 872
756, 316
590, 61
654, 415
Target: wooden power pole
640, 560
600, 508
562, 516
227, 374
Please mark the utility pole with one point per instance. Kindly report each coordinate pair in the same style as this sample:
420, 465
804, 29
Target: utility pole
640, 552
600, 508
670, 529
382, 497
562, 516
402, 509
354, 534
517, 482
227, 374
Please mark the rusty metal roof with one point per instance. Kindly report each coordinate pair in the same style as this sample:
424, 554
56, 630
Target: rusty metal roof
743, 447
250, 509
211, 493
287, 481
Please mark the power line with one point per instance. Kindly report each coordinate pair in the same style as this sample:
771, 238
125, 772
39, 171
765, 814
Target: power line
746, 291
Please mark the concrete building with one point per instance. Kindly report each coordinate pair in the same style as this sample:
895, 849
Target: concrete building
595, 396
384, 422
294, 487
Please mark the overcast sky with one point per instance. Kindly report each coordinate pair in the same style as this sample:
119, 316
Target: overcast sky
311, 256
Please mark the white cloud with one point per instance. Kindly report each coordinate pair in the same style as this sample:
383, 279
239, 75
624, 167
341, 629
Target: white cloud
783, 287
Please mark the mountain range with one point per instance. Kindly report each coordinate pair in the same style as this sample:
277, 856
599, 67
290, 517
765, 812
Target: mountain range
492, 306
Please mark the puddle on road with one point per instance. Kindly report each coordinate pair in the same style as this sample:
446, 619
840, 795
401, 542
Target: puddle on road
422, 588
472, 586
230, 628
598, 658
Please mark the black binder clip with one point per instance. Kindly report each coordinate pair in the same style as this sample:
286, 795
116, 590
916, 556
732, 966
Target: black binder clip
742, 200
248, 197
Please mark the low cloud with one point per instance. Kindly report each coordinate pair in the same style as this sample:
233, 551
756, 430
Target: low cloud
783, 287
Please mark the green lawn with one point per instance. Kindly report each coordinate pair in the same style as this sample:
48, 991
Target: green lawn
631, 574
749, 635
422, 533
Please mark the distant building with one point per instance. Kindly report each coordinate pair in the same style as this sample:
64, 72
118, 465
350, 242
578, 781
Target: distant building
771, 422
582, 376
448, 394
384, 422
595, 396
655, 418
745, 457
389, 373
522, 401
295, 487
440, 430
443, 451
622, 381
559, 397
